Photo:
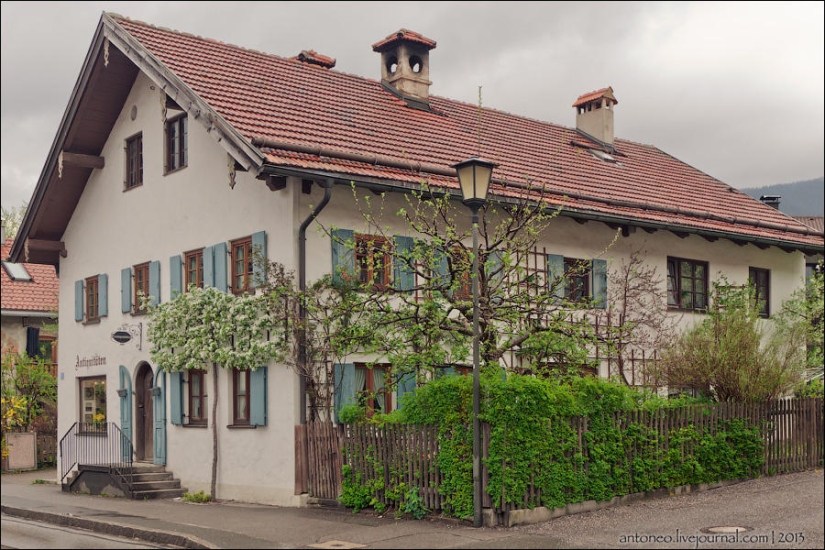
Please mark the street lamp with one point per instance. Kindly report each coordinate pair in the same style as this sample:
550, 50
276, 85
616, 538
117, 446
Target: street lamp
474, 178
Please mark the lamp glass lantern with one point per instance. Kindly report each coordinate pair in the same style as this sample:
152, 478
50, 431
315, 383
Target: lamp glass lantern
474, 178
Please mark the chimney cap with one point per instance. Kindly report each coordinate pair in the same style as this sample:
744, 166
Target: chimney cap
403, 35
311, 57
597, 94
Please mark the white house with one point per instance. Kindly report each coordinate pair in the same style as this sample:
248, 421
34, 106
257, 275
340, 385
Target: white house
177, 154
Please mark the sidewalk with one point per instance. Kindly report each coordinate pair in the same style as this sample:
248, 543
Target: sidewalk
239, 525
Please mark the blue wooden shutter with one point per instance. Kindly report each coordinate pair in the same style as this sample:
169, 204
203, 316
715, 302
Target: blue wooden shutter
78, 300
344, 385
257, 396
125, 393
221, 278
175, 275
103, 295
402, 272
208, 266
442, 268
599, 281
405, 386
159, 417
555, 274
258, 249
176, 398
343, 256
154, 283
126, 289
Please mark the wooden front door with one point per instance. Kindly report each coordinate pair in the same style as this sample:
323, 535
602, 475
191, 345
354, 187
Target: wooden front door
144, 423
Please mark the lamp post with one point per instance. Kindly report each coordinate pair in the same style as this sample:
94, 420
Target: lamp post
474, 178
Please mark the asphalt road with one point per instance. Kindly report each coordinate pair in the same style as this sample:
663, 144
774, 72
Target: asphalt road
21, 533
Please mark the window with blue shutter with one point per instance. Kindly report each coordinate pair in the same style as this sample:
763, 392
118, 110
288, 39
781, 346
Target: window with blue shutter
403, 273
154, 283
555, 275
599, 280
103, 295
343, 256
126, 290
259, 253
79, 298
176, 398
344, 378
258, 391
175, 275
220, 252
406, 386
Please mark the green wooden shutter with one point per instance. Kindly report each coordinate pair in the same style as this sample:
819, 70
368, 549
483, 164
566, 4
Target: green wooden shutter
257, 396
175, 275
125, 393
208, 267
555, 274
599, 281
403, 274
258, 248
221, 277
159, 418
103, 295
154, 283
344, 377
126, 289
78, 300
405, 386
176, 397
343, 256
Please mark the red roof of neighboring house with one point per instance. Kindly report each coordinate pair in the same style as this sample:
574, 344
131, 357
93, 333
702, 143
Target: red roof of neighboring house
39, 294
814, 222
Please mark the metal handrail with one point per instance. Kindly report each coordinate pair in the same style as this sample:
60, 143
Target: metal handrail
97, 444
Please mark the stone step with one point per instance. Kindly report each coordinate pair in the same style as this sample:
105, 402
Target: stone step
155, 485
151, 476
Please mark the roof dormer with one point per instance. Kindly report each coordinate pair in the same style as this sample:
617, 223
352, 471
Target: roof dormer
594, 115
405, 66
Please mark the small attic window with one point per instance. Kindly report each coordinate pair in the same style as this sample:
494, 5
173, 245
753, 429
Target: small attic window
602, 155
17, 272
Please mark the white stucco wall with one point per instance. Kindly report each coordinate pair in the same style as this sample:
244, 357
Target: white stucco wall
195, 207
169, 214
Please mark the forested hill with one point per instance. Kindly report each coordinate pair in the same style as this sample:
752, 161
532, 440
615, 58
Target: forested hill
802, 198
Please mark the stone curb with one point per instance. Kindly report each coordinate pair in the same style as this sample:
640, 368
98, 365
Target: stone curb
115, 529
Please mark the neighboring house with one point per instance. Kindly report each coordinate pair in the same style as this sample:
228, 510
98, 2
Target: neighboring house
812, 261
177, 155
29, 308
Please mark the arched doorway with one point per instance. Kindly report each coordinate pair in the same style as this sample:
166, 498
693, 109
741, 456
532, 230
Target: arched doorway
144, 421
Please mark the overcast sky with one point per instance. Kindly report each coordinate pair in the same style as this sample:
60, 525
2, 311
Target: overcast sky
733, 89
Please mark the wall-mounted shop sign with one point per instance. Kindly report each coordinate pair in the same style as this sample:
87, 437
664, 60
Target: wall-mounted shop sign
93, 361
126, 333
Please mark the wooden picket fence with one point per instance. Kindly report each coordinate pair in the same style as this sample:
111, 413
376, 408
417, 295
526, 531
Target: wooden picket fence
792, 431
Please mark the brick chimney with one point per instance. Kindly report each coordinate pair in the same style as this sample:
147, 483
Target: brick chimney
594, 115
771, 200
405, 66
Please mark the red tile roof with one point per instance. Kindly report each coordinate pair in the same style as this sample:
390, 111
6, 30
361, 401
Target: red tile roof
284, 100
814, 222
314, 58
39, 294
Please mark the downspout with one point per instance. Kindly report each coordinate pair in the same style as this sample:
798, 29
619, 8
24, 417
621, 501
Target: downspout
302, 283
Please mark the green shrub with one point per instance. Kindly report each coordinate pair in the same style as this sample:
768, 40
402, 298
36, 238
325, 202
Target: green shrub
199, 498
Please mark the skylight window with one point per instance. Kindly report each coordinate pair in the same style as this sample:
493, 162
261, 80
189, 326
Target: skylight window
17, 272
602, 155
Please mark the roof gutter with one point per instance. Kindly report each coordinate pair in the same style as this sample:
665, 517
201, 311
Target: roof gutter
443, 171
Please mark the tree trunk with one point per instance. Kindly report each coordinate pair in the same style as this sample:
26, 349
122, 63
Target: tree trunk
214, 430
